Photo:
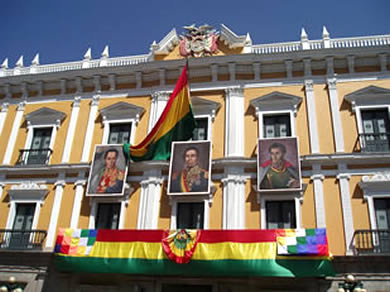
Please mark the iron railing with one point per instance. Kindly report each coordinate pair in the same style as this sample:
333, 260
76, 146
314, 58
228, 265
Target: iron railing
34, 156
375, 142
371, 242
22, 239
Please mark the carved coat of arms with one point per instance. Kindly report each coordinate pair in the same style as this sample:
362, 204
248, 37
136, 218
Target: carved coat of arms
198, 41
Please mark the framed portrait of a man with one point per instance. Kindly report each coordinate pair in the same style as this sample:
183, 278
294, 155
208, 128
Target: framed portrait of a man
108, 171
278, 165
189, 169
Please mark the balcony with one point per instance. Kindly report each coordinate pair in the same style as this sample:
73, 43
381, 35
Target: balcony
22, 239
34, 156
371, 242
375, 142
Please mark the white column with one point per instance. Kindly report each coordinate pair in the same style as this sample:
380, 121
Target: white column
336, 120
347, 210
319, 199
149, 201
55, 212
159, 101
14, 133
78, 197
3, 115
71, 130
312, 116
234, 129
233, 212
90, 128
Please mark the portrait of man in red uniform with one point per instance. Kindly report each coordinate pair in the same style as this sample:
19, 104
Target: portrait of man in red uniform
106, 176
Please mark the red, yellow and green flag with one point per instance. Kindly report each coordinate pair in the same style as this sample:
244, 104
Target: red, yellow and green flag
176, 123
236, 253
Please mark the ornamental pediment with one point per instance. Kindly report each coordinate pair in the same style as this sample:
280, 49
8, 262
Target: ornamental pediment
122, 110
45, 116
370, 95
276, 101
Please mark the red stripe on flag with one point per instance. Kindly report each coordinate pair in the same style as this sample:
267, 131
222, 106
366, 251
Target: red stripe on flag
207, 236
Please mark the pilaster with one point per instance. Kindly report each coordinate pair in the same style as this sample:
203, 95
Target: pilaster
90, 128
312, 117
214, 72
319, 198
289, 68
112, 81
149, 201
71, 130
233, 213
232, 71
329, 66
159, 101
307, 67
383, 62
336, 120
14, 132
55, 212
78, 197
351, 63
257, 70
234, 128
347, 210
3, 115
162, 76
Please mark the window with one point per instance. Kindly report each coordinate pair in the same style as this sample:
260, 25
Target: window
42, 126
382, 213
280, 214
108, 216
119, 133
276, 113
201, 130
190, 215
39, 151
276, 126
376, 130
120, 121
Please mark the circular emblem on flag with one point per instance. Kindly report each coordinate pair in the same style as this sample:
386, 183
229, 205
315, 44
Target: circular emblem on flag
179, 245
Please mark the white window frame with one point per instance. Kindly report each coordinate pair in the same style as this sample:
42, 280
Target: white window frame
120, 113
108, 123
204, 108
368, 98
124, 201
40, 119
27, 192
264, 198
174, 200
276, 103
376, 186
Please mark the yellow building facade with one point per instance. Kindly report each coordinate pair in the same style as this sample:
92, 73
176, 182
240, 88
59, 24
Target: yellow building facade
332, 94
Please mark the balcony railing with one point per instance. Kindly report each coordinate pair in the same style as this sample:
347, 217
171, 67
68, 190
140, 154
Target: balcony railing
34, 156
376, 142
21, 239
369, 242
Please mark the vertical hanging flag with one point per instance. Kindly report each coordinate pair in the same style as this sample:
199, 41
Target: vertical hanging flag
176, 123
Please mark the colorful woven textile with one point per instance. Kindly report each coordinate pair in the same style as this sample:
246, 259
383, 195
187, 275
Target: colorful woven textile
78, 242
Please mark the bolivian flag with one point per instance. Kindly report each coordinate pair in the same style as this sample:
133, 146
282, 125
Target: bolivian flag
233, 253
176, 123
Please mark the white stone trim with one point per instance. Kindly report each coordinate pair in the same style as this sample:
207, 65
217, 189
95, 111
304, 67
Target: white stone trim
312, 117
149, 200
90, 128
336, 120
159, 101
233, 209
3, 115
319, 200
71, 129
347, 210
234, 119
27, 192
55, 212
14, 133
264, 198
78, 197
106, 129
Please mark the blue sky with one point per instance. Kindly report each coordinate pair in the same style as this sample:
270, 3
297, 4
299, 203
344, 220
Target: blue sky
62, 31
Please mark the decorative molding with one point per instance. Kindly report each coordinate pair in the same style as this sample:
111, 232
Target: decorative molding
44, 116
166, 45
121, 111
276, 101
232, 40
369, 96
201, 106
